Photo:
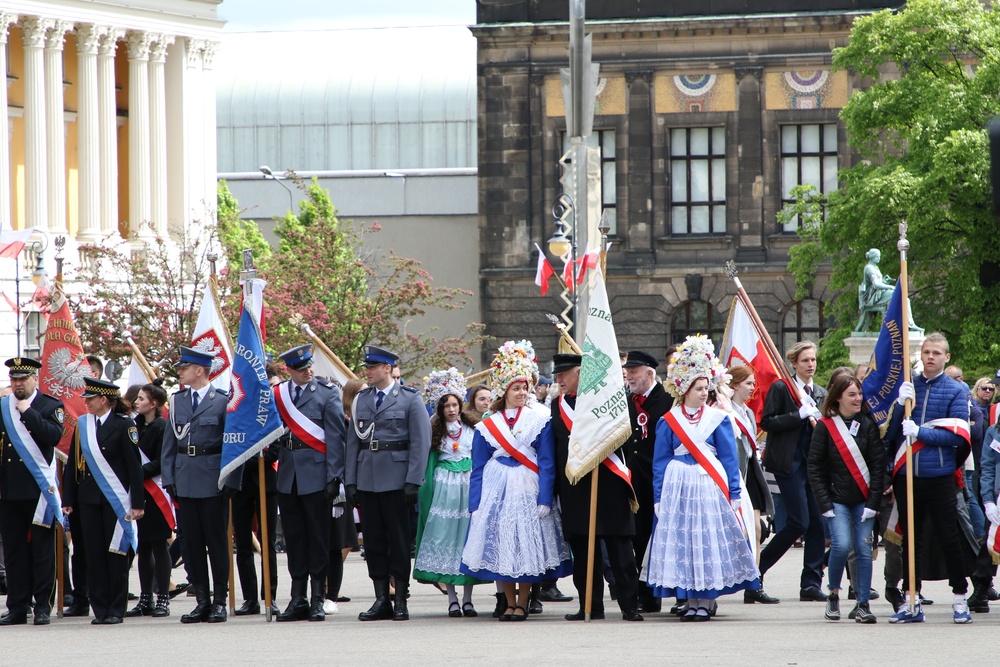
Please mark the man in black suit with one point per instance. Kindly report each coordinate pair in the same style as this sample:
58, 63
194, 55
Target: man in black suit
28, 546
788, 421
648, 401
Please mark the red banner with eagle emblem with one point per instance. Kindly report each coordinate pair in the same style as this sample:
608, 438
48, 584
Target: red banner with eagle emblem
64, 366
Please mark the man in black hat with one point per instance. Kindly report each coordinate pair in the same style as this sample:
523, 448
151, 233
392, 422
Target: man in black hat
648, 401
30, 429
615, 525
310, 470
190, 464
388, 441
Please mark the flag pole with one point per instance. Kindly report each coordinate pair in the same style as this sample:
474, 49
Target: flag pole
232, 574
318, 342
265, 550
139, 357
911, 563
60, 546
470, 379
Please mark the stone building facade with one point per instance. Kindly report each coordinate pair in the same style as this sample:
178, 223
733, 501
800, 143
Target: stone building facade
707, 114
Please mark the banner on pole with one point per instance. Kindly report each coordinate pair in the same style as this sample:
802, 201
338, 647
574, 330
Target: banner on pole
211, 335
64, 367
743, 346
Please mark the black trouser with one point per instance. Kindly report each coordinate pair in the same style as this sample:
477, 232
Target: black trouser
107, 573
246, 505
803, 519
78, 563
29, 552
306, 522
206, 523
622, 558
154, 561
385, 521
933, 497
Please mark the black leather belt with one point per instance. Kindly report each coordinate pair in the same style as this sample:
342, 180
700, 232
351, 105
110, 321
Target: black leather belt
386, 446
198, 450
292, 445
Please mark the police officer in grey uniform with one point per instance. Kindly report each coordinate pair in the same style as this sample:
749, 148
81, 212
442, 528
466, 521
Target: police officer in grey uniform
309, 478
388, 441
192, 452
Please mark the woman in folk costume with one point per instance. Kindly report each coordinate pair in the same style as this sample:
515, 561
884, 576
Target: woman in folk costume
515, 537
103, 480
846, 468
444, 497
156, 527
699, 549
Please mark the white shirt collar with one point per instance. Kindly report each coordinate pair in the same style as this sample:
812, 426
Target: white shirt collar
387, 390
202, 392
802, 385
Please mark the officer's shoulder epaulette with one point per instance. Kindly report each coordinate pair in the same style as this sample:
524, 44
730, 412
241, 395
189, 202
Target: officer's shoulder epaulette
406, 387
367, 390
182, 390
326, 383
224, 392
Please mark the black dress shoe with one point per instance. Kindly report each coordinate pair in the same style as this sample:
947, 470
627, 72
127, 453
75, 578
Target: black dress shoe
316, 612
650, 606
594, 616
872, 594
248, 608
534, 606
553, 594
759, 596
217, 614
13, 619
811, 594
297, 610
631, 615
680, 608
42, 618
993, 595
380, 611
180, 588
95, 621
77, 610
198, 614
112, 620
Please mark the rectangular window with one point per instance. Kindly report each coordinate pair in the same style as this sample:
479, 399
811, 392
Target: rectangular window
698, 180
808, 157
34, 327
604, 141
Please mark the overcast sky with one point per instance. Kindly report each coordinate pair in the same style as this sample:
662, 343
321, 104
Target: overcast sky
255, 15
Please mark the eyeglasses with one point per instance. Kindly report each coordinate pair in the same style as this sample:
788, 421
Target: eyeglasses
987, 389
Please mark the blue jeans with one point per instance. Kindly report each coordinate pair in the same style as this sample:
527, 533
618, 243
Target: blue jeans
847, 530
976, 514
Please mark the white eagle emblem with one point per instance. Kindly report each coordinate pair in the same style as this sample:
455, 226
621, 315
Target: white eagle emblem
209, 342
65, 374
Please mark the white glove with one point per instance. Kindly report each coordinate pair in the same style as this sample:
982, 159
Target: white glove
867, 513
808, 410
829, 514
736, 504
992, 513
656, 509
905, 392
544, 511
910, 428
338, 511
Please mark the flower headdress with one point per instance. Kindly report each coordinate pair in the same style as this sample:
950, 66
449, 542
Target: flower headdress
440, 383
694, 359
513, 361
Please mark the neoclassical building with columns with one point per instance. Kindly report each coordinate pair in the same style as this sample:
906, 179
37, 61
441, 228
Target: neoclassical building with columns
109, 131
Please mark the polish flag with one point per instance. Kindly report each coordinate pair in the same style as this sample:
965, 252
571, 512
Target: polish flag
543, 272
211, 335
588, 261
12, 241
743, 346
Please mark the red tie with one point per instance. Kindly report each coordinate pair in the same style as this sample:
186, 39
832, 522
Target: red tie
639, 399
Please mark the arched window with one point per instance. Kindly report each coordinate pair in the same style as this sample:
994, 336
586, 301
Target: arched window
696, 317
803, 320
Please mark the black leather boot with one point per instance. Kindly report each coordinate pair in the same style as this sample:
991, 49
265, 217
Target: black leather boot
401, 613
162, 605
144, 607
202, 609
979, 601
316, 612
218, 613
298, 606
382, 609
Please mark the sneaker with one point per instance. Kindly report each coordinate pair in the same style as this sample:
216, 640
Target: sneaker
330, 607
832, 607
905, 616
960, 612
863, 614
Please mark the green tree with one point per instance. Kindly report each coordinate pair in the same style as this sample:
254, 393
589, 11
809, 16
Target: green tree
930, 76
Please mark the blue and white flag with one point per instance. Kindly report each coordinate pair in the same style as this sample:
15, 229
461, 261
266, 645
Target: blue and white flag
880, 386
252, 421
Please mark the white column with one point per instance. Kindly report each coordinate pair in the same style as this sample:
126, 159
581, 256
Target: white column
107, 120
158, 132
35, 204
140, 211
6, 213
55, 125
208, 123
193, 108
87, 38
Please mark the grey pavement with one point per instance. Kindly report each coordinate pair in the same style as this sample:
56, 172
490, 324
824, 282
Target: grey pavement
790, 633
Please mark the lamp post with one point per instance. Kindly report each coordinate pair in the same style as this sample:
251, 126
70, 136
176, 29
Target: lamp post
264, 169
563, 246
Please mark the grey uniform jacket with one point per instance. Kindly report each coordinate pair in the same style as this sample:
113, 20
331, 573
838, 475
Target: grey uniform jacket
194, 476
309, 469
401, 417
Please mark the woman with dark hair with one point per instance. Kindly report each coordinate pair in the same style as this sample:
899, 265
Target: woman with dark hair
156, 527
444, 496
103, 479
479, 402
845, 466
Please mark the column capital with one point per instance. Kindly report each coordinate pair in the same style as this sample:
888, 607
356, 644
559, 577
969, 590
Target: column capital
158, 47
6, 19
138, 44
194, 49
638, 75
33, 30
55, 35
755, 72
208, 52
107, 42
88, 36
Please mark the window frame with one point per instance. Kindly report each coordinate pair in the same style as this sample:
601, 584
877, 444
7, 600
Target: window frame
714, 200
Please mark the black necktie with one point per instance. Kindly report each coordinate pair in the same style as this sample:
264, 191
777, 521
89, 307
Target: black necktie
379, 398
194, 401
298, 394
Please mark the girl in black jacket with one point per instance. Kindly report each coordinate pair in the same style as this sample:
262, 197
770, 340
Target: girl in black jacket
845, 466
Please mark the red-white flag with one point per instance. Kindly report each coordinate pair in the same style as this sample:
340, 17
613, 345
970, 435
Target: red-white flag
543, 272
582, 263
742, 345
64, 366
12, 241
211, 335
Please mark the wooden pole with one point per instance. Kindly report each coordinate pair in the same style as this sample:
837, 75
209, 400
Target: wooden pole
911, 557
60, 546
307, 330
139, 357
232, 570
474, 378
265, 551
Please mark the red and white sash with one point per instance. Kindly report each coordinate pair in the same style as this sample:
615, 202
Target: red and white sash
613, 462
154, 487
745, 426
849, 452
705, 458
993, 543
956, 426
994, 412
301, 426
497, 426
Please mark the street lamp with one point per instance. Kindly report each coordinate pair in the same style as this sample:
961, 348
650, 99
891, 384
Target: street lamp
264, 169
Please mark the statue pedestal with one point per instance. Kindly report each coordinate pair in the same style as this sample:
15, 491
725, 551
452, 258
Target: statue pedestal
862, 345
